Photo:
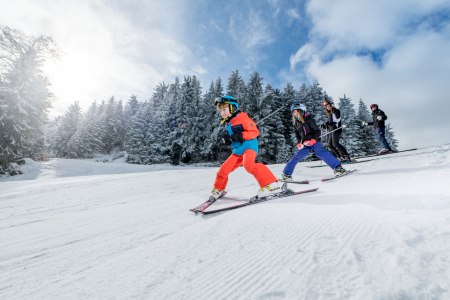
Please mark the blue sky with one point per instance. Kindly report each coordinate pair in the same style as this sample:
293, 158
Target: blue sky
394, 53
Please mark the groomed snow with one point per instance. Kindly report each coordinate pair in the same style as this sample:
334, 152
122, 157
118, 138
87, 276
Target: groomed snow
72, 229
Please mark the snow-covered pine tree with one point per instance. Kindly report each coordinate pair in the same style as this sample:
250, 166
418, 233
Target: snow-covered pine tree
10, 128
87, 140
160, 99
92, 131
390, 137
185, 111
254, 95
76, 147
192, 138
312, 96
273, 146
236, 88
284, 148
24, 95
144, 144
120, 126
140, 136
267, 148
114, 126
103, 126
182, 109
132, 107
173, 122
288, 97
212, 146
351, 135
130, 110
68, 126
51, 129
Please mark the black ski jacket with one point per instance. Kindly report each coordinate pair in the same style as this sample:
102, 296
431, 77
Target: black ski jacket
334, 120
308, 130
375, 122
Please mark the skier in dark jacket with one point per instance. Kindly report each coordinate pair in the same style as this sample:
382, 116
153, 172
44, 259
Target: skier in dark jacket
333, 123
308, 138
378, 118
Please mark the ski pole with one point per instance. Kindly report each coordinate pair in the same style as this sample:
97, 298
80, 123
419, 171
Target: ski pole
343, 126
269, 115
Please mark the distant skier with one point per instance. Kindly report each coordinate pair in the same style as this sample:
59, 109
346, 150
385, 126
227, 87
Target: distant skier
242, 133
308, 138
333, 123
378, 118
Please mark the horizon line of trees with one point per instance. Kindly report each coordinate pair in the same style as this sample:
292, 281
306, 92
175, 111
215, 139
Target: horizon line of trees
177, 124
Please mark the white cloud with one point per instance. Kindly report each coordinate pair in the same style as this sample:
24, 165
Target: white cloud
293, 14
352, 24
249, 34
411, 86
304, 54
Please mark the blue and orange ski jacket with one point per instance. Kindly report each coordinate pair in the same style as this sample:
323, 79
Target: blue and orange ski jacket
241, 122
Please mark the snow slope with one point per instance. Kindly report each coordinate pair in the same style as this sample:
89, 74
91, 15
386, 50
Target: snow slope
85, 230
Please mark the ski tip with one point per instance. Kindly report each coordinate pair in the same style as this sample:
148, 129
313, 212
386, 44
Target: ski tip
338, 176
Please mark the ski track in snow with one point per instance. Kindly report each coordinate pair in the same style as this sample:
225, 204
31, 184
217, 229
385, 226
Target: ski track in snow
380, 233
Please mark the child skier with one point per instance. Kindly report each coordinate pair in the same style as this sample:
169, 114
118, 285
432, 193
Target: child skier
333, 123
241, 132
378, 118
308, 137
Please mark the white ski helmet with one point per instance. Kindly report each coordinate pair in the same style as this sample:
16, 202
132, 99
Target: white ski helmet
298, 105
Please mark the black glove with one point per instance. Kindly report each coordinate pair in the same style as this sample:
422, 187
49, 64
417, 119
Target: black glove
237, 128
323, 126
226, 139
237, 137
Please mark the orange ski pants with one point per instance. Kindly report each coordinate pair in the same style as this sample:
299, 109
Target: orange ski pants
261, 172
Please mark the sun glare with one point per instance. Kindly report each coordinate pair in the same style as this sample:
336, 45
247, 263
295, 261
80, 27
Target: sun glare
72, 78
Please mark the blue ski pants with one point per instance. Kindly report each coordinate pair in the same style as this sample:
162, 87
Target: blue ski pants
321, 153
380, 134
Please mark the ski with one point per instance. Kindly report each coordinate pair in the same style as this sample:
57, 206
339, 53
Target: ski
338, 176
319, 166
294, 181
256, 199
206, 204
359, 161
346, 163
386, 153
